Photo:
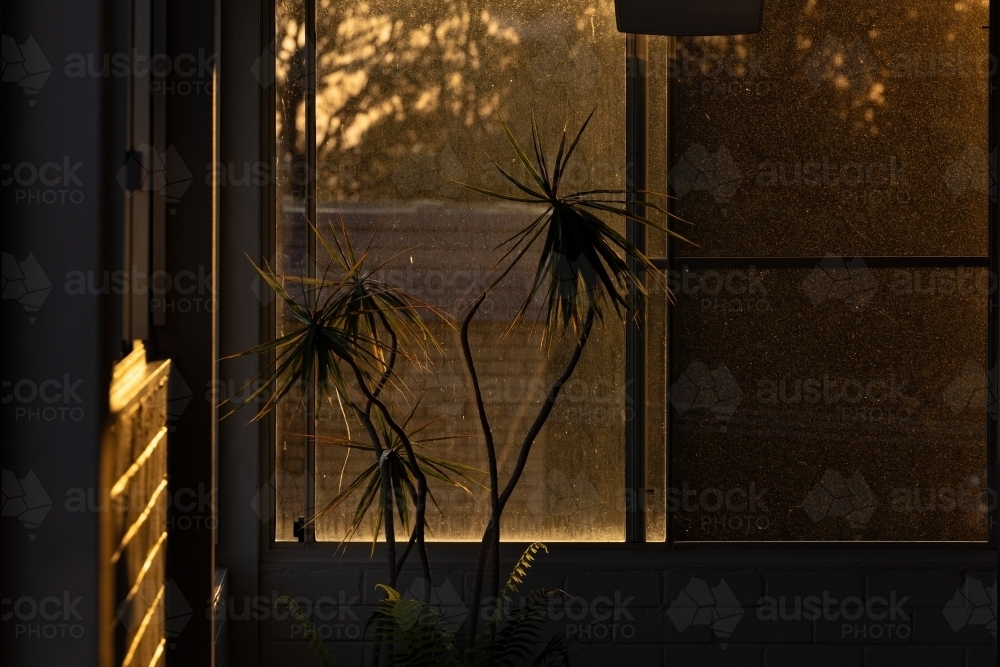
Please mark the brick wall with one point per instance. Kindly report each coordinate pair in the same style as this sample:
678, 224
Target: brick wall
717, 607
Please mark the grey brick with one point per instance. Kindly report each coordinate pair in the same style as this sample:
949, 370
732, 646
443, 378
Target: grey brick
988, 577
838, 583
746, 585
931, 627
925, 588
913, 656
813, 656
617, 656
734, 655
312, 582
763, 630
300, 653
333, 624
643, 587
636, 626
864, 631
692, 634
981, 656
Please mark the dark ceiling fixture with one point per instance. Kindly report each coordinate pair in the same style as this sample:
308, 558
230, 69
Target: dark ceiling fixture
689, 17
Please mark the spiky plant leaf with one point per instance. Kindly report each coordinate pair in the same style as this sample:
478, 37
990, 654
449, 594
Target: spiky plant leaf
401, 474
347, 315
583, 260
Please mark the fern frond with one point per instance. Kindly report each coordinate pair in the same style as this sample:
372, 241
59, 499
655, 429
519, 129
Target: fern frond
517, 577
309, 632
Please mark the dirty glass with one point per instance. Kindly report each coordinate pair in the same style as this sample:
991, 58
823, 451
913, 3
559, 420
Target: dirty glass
407, 97
288, 484
845, 127
838, 403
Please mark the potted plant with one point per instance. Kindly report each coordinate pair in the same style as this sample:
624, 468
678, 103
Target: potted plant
353, 331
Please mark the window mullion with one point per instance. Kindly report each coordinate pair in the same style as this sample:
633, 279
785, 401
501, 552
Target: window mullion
635, 325
310, 212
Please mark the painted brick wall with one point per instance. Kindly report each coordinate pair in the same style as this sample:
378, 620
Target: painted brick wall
710, 609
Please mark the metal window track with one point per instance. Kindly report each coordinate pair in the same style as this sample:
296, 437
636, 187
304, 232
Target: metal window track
871, 262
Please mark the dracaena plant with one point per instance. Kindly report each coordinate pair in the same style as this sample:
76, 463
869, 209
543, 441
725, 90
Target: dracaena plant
353, 329
584, 265
367, 485
349, 332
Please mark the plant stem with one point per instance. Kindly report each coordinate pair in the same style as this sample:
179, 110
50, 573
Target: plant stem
406, 551
490, 542
491, 454
418, 526
390, 528
546, 410
387, 502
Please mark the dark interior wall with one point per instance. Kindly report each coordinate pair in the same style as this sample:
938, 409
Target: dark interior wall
63, 150
61, 139
240, 202
186, 30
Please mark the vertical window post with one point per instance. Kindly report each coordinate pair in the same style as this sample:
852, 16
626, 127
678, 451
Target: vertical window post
993, 321
635, 325
309, 505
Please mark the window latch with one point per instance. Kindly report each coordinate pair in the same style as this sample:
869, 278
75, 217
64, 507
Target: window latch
299, 529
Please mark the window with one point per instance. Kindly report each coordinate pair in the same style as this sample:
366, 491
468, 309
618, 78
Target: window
829, 343
821, 374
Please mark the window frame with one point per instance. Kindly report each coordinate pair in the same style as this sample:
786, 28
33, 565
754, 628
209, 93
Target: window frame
637, 171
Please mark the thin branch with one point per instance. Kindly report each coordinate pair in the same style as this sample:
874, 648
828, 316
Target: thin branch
546, 409
421, 479
494, 479
390, 527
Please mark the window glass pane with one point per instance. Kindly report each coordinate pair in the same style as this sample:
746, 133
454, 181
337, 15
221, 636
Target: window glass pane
835, 404
654, 496
290, 258
406, 101
845, 127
